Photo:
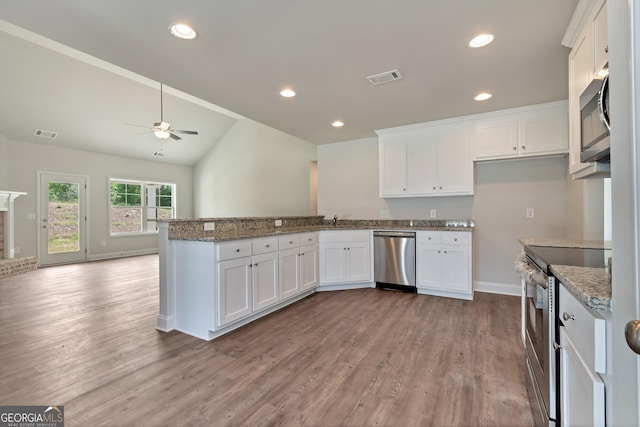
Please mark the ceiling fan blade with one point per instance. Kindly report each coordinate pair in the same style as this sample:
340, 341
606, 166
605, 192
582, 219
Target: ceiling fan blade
140, 126
187, 132
174, 136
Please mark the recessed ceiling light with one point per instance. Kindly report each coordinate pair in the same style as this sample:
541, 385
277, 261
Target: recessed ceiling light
483, 96
288, 93
337, 124
481, 40
182, 31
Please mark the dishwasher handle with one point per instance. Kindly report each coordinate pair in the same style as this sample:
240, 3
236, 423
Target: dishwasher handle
409, 234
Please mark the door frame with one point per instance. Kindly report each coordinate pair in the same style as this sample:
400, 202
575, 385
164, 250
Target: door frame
84, 235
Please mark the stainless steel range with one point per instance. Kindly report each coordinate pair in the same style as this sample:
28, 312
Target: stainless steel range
542, 324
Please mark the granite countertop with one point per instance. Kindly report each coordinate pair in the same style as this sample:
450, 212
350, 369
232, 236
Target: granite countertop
589, 285
248, 228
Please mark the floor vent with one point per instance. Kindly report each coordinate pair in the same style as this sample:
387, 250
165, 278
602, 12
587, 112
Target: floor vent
45, 134
386, 77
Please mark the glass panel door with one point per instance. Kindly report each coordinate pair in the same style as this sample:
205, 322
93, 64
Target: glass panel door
62, 219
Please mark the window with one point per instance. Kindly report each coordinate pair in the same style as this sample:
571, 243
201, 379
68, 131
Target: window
135, 205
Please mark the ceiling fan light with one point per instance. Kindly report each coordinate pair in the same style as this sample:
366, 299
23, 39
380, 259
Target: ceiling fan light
161, 134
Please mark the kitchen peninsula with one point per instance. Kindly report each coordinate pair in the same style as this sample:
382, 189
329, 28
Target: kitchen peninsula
219, 274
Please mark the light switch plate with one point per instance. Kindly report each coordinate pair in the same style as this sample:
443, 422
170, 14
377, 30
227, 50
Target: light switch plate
432, 213
530, 213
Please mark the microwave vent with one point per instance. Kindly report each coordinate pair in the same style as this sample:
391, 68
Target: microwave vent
388, 76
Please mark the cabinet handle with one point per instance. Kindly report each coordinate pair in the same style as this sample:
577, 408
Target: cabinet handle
267, 245
302, 254
524, 147
429, 238
255, 265
250, 265
291, 242
606, 49
445, 252
237, 250
438, 251
515, 148
404, 189
566, 316
434, 188
455, 239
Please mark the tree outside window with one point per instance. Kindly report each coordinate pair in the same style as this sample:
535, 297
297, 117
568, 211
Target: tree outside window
136, 205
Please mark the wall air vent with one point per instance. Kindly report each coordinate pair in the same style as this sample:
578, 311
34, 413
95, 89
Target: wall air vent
386, 77
45, 133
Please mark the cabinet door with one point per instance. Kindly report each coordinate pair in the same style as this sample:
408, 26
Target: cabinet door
234, 290
265, 280
455, 165
581, 390
333, 262
544, 134
600, 39
421, 163
429, 266
308, 267
455, 268
393, 165
289, 273
496, 139
359, 262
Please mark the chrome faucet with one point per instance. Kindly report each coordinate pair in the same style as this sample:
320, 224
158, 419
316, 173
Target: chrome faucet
335, 219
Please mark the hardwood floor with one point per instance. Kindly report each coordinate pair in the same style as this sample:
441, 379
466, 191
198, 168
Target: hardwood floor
83, 336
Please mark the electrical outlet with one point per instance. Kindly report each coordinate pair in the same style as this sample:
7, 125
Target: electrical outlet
432, 213
530, 213
278, 223
209, 226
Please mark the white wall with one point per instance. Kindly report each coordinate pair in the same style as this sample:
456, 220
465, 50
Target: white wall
22, 160
4, 163
254, 170
348, 187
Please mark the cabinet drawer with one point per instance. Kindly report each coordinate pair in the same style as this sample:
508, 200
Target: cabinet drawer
308, 238
455, 238
429, 237
586, 329
289, 241
234, 249
265, 245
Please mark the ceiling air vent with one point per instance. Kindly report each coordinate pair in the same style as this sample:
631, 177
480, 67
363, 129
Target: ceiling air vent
45, 134
386, 77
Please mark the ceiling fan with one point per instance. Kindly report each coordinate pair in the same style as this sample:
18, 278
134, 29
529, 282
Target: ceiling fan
162, 129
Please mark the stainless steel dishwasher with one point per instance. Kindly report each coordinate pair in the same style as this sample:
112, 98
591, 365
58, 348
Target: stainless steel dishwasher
394, 260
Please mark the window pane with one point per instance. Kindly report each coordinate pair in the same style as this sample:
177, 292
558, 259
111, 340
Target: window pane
126, 220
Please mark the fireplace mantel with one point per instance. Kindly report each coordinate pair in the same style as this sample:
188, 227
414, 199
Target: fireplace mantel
6, 205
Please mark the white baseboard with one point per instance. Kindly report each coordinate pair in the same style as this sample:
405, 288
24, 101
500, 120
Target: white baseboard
165, 323
123, 254
344, 287
497, 288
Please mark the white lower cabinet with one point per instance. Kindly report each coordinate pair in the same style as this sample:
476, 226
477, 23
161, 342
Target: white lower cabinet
298, 266
345, 257
233, 290
443, 263
582, 358
264, 272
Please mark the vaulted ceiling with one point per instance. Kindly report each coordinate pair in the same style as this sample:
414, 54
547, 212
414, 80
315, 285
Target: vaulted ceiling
84, 69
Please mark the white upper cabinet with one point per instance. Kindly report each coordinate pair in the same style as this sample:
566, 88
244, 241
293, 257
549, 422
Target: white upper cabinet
539, 130
426, 160
589, 55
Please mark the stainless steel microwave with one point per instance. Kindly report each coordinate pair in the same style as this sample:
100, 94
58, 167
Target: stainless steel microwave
595, 143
